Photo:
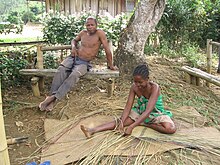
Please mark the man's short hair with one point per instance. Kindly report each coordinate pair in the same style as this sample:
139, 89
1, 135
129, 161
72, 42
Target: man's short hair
92, 18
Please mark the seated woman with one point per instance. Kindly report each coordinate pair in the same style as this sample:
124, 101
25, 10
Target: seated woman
148, 111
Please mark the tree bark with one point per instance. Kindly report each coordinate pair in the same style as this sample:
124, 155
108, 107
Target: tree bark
130, 51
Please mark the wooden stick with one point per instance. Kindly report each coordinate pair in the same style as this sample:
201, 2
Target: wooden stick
4, 157
17, 140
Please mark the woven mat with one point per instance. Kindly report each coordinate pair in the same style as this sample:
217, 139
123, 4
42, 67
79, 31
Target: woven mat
68, 143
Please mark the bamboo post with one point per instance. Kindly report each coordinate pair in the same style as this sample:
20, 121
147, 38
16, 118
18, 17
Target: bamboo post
209, 59
4, 157
218, 71
111, 86
111, 82
35, 86
40, 65
188, 78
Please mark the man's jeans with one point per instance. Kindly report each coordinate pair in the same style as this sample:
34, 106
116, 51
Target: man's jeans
68, 74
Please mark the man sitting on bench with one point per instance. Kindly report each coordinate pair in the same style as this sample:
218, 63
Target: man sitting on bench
77, 64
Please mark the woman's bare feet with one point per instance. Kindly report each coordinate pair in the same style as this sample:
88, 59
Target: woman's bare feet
43, 105
86, 131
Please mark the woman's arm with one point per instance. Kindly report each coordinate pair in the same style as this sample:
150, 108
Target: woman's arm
129, 104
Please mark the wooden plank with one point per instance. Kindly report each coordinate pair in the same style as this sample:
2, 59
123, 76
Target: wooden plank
94, 6
51, 48
208, 77
72, 6
47, 6
103, 73
67, 6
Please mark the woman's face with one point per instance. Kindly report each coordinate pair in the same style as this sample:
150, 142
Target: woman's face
140, 82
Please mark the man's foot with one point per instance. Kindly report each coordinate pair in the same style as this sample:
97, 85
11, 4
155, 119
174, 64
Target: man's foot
43, 105
49, 107
86, 131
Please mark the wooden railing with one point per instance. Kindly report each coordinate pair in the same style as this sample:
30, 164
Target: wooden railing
209, 56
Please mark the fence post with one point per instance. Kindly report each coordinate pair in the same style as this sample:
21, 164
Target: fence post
218, 71
4, 157
209, 59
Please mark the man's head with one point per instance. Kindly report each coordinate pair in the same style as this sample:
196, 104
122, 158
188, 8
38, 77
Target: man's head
91, 25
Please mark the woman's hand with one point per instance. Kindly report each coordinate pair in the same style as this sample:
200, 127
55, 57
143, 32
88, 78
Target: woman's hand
121, 127
128, 131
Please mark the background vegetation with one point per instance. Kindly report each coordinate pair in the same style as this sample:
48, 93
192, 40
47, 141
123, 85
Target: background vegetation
15, 13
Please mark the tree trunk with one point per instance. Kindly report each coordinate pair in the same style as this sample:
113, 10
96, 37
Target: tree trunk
130, 51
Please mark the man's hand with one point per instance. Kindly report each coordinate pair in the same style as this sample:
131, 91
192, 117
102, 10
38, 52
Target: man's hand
74, 51
113, 67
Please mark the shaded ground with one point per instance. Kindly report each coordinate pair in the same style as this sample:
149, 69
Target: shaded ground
22, 117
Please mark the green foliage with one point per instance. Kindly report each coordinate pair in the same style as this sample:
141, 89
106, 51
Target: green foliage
50, 61
28, 16
8, 27
11, 63
186, 21
62, 29
13, 24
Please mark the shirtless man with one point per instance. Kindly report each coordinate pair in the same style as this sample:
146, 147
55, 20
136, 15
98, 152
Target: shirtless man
77, 64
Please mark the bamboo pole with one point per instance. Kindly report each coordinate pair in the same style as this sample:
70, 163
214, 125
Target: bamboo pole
40, 65
218, 70
4, 157
209, 58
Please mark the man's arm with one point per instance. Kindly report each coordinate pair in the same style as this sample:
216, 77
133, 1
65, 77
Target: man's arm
74, 44
108, 52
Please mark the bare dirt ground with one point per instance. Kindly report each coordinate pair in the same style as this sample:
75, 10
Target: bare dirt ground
23, 119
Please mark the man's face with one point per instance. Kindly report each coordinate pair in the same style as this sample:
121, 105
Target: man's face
91, 26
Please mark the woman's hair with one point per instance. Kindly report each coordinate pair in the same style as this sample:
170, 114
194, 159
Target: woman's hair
141, 70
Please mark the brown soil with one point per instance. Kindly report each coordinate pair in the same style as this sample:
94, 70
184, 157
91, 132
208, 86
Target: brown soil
22, 117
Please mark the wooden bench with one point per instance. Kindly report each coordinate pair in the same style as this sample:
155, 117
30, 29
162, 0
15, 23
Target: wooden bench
193, 76
38, 75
